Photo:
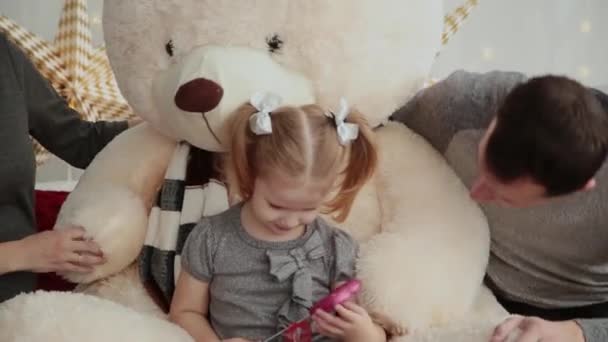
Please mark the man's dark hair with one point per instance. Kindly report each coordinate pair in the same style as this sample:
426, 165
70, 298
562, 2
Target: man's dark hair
552, 129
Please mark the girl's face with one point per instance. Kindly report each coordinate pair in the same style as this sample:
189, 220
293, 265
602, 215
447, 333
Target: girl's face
283, 204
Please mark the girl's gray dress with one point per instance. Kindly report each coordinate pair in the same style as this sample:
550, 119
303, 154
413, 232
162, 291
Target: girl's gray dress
258, 287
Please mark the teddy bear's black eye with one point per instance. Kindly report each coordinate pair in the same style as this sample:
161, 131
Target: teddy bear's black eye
169, 48
274, 42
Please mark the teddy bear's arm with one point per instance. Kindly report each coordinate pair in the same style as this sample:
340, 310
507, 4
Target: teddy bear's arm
113, 198
434, 241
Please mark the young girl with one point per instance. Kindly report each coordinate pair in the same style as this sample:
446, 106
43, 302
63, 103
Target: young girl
259, 266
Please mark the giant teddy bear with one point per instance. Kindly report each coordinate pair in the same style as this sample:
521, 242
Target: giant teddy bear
184, 66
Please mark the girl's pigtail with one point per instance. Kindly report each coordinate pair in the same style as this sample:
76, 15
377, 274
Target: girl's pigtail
238, 167
361, 165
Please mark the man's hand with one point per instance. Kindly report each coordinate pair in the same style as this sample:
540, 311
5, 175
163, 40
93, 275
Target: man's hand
352, 323
534, 329
63, 250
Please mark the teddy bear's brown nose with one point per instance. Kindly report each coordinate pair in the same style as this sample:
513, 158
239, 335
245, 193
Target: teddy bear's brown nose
199, 95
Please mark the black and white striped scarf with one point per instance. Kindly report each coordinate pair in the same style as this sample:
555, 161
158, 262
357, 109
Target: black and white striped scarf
189, 192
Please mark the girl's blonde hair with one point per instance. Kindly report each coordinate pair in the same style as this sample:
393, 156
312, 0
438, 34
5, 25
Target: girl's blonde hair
303, 143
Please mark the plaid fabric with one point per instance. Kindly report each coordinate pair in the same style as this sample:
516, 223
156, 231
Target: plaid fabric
190, 191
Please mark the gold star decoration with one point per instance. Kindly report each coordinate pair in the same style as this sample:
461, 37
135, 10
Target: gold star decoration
453, 21
82, 74
78, 71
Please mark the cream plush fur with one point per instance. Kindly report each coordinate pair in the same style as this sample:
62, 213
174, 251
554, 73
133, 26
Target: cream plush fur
73, 317
425, 243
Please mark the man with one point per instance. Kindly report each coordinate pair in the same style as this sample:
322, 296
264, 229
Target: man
523, 145
548, 138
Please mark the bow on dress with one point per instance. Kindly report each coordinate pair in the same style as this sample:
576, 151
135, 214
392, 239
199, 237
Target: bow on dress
296, 262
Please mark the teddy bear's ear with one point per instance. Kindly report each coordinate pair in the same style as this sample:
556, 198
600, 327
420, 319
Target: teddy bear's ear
416, 55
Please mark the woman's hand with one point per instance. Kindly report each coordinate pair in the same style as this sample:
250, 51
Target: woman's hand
352, 323
64, 250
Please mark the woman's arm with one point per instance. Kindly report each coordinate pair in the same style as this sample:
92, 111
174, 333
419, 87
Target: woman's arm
51, 251
57, 126
9, 259
190, 307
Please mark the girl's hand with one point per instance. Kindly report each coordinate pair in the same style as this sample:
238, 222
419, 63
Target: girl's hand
352, 323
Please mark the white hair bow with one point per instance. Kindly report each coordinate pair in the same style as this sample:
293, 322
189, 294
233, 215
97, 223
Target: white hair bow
347, 132
265, 103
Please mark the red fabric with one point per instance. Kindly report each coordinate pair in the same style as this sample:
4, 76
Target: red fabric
48, 204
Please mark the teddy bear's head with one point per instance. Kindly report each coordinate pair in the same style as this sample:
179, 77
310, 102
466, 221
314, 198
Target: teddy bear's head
185, 65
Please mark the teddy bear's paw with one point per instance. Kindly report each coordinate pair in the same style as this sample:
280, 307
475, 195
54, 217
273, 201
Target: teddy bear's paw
389, 325
107, 211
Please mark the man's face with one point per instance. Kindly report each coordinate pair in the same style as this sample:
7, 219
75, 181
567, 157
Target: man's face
487, 188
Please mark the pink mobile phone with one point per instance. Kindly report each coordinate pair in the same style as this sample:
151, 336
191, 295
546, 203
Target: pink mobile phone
301, 331
340, 295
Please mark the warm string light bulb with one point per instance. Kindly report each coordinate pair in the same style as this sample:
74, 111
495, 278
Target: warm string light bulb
585, 26
487, 53
95, 19
584, 71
